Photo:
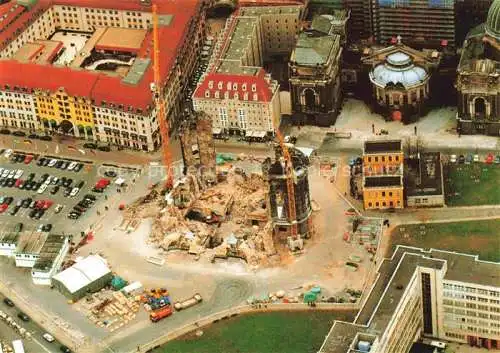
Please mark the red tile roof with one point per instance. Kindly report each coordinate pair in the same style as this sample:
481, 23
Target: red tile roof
99, 86
263, 89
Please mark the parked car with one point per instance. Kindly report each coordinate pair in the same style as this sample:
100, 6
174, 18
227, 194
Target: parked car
48, 337
46, 138
72, 165
14, 210
52, 162
461, 159
74, 192
54, 190
476, 158
33, 136
5, 131
104, 148
110, 173
40, 161
469, 159
7, 153
90, 145
65, 349
453, 158
47, 227
58, 208
78, 167
8, 302
23, 316
68, 182
19, 133
42, 189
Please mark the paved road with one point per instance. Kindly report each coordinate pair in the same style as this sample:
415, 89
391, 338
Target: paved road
35, 344
226, 288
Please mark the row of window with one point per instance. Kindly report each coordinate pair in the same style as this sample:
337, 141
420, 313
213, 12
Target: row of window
467, 289
383, 159
384, 204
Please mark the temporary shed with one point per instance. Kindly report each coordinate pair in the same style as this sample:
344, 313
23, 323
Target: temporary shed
86, 276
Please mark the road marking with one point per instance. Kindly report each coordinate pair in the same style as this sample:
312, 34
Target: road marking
41, 345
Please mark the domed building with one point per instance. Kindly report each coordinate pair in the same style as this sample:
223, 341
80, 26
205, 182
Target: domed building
478, 85
399, 76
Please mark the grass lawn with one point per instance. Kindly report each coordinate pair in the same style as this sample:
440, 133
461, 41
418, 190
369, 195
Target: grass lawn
274, 332
472, 184
472, 237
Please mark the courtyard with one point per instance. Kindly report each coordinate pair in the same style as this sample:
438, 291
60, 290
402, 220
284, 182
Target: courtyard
472, 237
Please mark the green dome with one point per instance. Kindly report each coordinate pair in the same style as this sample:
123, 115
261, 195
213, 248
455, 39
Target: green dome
493, 21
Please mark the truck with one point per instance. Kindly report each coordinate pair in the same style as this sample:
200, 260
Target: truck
157, 315
195, 299
18, 346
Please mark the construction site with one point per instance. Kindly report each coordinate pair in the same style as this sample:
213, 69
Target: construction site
243, 207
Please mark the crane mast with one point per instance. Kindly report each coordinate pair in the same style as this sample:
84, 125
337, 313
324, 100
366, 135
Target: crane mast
160, 104
290, 185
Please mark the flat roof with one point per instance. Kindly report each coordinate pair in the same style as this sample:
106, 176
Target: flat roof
424, 175
382, 180
121, 39
394, 275
46, 50
10, 238
31, 242
382, 146
49, 252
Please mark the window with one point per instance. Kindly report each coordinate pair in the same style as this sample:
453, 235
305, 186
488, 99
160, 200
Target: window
383, 159
370, 204
376, 159
369, 159
242, 119
223, 116
390, 158
383, 193
390, 193
397, 158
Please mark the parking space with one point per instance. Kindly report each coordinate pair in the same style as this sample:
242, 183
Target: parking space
52, 192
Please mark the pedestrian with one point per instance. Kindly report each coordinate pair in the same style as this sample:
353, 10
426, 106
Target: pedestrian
415, 130
373, 128
98, 213
105, 197
106, 208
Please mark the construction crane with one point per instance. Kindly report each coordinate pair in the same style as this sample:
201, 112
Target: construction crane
159, 101
290, 185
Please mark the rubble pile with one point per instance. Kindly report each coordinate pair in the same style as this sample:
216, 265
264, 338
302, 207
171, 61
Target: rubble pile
226, 219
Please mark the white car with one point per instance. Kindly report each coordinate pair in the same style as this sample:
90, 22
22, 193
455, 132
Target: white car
72, 165
5, 173
19, 173
48, 180
48, 337
40, 228
8, 153
453, 158
52, 163
42, 189
54, 180
74, 192
11, 175
58, 208
476, 158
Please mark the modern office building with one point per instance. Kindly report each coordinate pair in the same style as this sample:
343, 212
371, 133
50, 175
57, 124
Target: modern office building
98, 55
435, 294
478, 83
428, 23
314, 70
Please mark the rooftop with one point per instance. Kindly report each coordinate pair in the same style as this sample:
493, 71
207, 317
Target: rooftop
475, 54
394, 275
424, 175
99, 86
121, 39
9, 238
49, 252
382, 146
313, 50
31, 242
382, 180
84, 272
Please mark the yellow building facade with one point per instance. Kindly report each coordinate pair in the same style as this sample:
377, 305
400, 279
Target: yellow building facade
60, 111
382, 197
383, 174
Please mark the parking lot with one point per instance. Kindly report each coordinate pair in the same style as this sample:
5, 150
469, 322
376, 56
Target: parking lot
50, 194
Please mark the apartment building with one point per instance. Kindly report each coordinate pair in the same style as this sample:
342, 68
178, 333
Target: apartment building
418, 293
237, 93
108, 107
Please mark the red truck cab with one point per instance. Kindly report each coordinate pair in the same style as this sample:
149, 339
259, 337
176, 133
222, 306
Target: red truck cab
159, 314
